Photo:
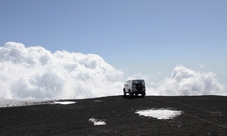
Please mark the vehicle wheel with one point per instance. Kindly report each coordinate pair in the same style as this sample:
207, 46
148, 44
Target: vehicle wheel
143, 94
130, 94
124, 92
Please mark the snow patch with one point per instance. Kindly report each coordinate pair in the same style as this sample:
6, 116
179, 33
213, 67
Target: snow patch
15, 103
97, 122
159, 113
65, 102
97, 101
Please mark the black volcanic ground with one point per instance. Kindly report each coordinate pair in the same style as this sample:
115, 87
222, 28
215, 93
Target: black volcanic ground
202, 115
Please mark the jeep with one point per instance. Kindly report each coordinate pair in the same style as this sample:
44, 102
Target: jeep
135, 87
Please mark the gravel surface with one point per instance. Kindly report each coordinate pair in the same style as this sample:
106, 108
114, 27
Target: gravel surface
200, 115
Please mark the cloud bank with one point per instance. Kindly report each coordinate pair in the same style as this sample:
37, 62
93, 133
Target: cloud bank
36, 73
188, 82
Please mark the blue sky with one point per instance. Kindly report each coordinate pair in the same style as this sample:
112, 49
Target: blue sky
142, 36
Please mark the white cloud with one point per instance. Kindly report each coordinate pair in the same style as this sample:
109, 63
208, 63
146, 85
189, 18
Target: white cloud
138, 76
36, 73
188, 82
201, 65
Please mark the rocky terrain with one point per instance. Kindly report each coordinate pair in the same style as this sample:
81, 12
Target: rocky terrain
116, 115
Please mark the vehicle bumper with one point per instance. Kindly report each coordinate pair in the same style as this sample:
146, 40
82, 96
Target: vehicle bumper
139, 92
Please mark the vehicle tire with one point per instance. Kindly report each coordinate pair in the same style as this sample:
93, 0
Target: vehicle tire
130, 93
124, 92
143, 94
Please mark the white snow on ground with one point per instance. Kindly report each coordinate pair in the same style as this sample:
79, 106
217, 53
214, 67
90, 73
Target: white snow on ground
97, 122
97, 101
159, 113
12, 103
65, 102
15, 103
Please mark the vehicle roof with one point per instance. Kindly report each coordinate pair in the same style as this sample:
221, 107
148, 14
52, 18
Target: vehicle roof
137, 80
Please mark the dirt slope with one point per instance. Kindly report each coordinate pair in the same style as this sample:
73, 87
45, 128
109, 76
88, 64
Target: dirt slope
202, 115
